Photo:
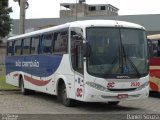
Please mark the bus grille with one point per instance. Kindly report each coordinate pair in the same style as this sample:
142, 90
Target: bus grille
128, 89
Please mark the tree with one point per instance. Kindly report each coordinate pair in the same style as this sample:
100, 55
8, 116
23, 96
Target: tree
5, 20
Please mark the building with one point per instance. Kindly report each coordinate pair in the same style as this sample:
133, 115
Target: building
85, 10
150, 22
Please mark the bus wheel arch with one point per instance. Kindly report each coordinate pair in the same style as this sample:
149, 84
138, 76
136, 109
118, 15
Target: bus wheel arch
60, 81
21, 85
62, 94
23, 90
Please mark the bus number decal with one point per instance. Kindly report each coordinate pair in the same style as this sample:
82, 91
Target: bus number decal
79, 92
135, 84
110, 84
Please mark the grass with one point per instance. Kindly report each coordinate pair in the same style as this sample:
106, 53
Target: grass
3, 84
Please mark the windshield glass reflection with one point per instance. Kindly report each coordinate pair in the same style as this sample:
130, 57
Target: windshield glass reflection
117, 51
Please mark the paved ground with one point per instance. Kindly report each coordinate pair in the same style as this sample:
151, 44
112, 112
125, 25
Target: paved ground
43, 105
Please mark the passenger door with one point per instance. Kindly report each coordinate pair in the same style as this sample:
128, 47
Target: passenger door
77, 61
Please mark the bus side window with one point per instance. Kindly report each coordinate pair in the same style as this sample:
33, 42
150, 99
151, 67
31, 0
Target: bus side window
158, 49
34, 45
150, 48
13, 48
18, 47
26, 46
9, 48
61, 41
155, 48
47, 43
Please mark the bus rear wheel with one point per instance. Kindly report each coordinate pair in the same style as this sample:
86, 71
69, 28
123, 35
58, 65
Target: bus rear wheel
62, 96
24, 91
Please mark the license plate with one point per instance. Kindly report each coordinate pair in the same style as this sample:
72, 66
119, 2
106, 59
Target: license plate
122, 96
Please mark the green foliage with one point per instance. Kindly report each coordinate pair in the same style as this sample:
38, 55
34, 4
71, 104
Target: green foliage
3, 84
5, 21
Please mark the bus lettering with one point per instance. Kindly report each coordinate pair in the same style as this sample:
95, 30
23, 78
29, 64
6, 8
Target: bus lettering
27, 64
110, 84
135, 84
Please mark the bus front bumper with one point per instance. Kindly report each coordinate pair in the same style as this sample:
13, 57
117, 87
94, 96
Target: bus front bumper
100, 96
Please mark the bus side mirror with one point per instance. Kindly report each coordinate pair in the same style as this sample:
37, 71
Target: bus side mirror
86, 49
85, 46
77, 37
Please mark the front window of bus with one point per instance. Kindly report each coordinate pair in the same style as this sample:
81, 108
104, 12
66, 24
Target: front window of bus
117, 52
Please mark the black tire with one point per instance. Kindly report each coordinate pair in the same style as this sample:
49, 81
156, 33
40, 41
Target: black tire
113, 103
24, 91
62, 97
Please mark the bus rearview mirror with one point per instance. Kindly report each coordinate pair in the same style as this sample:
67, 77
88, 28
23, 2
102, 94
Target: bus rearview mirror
77, 37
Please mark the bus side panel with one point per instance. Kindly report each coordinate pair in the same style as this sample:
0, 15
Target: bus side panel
65, 73
37, 70
12, 72
155, 74
41, 72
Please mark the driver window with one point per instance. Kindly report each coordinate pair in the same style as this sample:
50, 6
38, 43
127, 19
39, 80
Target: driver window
76, 49
155, 46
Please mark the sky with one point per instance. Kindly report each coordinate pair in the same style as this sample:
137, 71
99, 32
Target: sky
50, 8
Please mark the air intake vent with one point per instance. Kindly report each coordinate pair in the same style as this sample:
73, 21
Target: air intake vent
128, 89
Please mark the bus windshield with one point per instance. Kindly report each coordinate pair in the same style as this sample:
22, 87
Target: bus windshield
116, 52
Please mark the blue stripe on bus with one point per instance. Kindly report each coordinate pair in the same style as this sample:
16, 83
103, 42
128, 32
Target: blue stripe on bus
37, 65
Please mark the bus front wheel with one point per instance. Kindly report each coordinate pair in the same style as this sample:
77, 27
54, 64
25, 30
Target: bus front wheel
62, 96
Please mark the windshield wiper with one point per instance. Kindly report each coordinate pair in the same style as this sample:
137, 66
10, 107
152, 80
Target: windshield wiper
121, 56
130, 61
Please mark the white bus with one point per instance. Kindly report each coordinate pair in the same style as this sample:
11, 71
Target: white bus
90, 61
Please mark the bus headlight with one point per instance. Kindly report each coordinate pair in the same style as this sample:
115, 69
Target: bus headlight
96, 86
142, 86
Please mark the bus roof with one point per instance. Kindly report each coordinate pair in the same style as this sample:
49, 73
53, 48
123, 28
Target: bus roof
108, 23
154, 37
82, 24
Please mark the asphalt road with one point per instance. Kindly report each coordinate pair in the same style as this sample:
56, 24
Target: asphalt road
14, 106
